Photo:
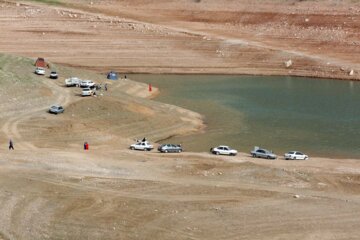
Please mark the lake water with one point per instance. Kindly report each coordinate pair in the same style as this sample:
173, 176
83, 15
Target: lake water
319, 117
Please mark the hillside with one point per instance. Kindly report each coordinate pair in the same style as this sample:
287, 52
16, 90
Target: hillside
321, 38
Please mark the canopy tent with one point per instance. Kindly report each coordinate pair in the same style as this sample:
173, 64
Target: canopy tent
40, 62
112, 76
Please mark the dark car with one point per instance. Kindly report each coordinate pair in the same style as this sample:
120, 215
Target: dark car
54, 75
165, 148
55, 109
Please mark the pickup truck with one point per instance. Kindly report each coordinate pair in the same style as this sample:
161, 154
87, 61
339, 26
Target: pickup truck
143, 145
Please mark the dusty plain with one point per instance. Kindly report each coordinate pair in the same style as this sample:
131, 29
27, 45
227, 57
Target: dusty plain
50, 188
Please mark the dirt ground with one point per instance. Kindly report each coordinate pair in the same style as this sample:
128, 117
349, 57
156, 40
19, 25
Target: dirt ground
50, 188
321, 38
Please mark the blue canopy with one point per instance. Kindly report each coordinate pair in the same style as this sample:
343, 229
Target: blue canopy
112, 75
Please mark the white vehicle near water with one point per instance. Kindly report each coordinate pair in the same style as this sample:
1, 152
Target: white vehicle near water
295, 155
143, 145
223, 150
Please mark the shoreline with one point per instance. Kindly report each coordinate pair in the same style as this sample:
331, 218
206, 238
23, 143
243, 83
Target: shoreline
337, 153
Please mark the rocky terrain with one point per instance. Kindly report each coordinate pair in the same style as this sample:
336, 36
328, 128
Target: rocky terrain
301, 38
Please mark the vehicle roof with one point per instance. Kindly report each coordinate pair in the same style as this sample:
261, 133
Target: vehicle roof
263, 149
223, 146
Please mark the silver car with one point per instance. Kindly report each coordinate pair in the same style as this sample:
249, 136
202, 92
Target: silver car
263, 153
165, 148
56, 109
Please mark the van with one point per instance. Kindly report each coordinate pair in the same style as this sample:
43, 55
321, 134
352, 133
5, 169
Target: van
73, 81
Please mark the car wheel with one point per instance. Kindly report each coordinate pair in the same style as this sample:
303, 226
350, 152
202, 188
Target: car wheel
217, 153
132, 148
268, 157
306, 158
294, 158
166, 151
254, 155
286, 159
179, 151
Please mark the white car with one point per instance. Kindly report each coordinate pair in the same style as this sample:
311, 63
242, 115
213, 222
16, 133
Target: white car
53, 75
40, 71
87, 83
295, 155
223, 150
87, 92
143, 145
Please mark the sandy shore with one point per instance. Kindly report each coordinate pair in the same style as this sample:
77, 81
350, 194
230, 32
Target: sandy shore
52, 189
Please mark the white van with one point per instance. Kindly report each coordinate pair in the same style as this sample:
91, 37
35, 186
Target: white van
73, 81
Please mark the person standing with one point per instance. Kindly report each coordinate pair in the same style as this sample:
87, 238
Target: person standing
11, 145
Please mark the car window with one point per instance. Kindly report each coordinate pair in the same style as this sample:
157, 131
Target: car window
299, 153
291, 152
261, 151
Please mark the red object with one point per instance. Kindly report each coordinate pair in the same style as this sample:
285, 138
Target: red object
150, 88
40, 62
87, 146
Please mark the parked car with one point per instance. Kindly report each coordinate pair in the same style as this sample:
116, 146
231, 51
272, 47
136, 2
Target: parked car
223, 150
73, 81
87, 83
143, 145
53, 75
56, 109
295, 155
263, 153
87, 92
165, 148
40, 71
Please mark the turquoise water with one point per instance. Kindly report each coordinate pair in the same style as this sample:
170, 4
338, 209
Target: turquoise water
318, 117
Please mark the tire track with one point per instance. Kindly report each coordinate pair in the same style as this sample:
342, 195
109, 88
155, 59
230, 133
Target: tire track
11, 125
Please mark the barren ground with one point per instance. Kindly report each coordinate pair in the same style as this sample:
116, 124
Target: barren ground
52, 189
